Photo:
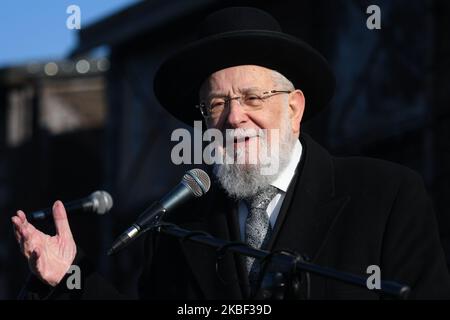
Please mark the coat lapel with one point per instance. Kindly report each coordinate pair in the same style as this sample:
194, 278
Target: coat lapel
311, 206
221, 222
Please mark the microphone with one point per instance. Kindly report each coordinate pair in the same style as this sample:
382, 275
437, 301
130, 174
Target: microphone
195, 183
98, 202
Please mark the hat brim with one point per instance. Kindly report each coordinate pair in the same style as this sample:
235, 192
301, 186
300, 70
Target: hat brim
178, 80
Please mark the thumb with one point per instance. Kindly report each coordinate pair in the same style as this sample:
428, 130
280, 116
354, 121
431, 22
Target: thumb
61, 222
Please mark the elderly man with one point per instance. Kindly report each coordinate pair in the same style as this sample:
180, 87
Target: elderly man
245, 75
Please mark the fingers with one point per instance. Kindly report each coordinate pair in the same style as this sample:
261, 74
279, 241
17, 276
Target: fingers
20, 224
22, 216
25, 233
61, 222
16, 223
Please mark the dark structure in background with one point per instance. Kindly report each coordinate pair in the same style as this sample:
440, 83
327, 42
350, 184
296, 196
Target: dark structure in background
391, 102
51, 131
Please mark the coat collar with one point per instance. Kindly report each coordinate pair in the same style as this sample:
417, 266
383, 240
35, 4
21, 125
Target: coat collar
311, 206
307, 215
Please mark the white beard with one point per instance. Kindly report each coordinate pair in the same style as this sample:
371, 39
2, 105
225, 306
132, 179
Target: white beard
245, 180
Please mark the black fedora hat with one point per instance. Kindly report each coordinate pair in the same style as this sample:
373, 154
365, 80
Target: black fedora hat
241, 36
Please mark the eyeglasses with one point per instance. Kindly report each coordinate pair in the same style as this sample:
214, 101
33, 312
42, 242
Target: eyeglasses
249, 101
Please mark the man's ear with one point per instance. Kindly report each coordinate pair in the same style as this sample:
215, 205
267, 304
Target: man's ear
297, 108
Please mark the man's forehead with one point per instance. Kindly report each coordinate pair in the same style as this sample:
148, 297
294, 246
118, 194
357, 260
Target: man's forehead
240, 76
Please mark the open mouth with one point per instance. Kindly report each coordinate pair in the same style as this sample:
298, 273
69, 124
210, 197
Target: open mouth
239, 140
243, 137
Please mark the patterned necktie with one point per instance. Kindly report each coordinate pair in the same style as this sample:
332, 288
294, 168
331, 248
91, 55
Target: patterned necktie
257, 227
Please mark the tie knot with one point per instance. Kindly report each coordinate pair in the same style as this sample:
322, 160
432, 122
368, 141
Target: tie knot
262, 199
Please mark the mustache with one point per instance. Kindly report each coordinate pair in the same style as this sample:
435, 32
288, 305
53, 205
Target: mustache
242, 133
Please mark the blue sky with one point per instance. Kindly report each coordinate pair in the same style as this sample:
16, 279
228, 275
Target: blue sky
35, 30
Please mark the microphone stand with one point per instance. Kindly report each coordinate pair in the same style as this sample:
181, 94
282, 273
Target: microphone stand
287, 262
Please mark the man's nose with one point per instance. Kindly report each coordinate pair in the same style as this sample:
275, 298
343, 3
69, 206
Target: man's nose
236, 114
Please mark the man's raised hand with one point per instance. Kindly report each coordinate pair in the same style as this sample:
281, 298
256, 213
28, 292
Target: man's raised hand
49, 257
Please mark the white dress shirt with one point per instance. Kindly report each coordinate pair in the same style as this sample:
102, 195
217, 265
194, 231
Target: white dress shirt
282, 184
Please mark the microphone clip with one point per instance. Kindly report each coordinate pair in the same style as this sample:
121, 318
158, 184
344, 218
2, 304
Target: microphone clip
146, 221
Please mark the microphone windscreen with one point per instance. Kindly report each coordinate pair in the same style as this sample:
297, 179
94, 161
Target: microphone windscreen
102, 202
198, 181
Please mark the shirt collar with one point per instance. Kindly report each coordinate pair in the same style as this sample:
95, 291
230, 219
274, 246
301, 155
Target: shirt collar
284, 179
